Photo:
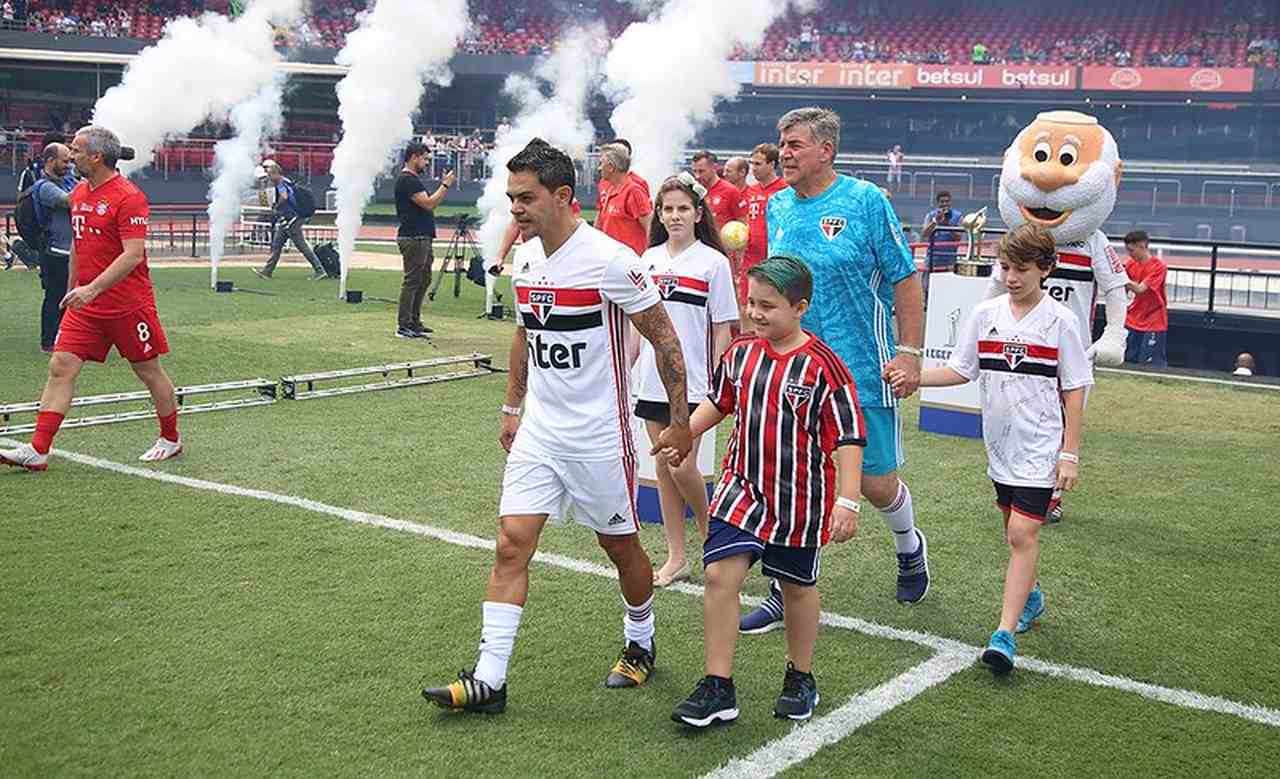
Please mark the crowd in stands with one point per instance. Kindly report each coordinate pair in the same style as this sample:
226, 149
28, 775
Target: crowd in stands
1178, 33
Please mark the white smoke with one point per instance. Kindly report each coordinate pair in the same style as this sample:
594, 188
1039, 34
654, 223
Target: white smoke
236, 158
560, 120
201, 68
398, 46
668, 72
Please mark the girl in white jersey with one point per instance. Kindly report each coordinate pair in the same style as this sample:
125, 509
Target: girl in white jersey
1024, 350
688, 265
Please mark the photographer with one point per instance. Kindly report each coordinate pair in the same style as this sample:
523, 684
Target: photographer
289, 224
942, 242
416, 211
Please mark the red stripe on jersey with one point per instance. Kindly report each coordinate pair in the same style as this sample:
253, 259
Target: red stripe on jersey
565, 296
617, 353
688, 282
1078, 260
1033, 350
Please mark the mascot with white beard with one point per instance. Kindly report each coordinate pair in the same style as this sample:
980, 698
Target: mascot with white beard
1062, 173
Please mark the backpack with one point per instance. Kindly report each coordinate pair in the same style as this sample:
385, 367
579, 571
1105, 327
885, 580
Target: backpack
304, 202
31, 218
328, 257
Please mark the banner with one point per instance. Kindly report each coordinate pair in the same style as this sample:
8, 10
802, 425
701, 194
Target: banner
973, 77
950, 410
1168, 79
891, 76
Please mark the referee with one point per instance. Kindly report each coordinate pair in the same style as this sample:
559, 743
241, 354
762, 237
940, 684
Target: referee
416, 211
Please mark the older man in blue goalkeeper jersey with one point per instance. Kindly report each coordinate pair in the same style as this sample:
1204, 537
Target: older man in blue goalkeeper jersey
863, 274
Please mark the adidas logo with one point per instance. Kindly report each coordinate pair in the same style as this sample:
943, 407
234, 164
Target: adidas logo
617, 520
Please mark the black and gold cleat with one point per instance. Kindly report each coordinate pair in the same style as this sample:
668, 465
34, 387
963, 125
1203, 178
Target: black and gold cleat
633, 667
468, 694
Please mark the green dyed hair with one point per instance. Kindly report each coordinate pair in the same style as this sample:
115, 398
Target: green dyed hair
787, 274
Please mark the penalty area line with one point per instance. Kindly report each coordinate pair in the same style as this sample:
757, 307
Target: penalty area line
1182, 698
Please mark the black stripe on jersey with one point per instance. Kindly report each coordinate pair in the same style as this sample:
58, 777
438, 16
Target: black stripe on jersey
787, 423
850, 441
562, 322
757, 401
1071, 274
1024, 367
685, 297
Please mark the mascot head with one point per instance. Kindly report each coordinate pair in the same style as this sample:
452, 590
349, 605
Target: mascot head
1061, 173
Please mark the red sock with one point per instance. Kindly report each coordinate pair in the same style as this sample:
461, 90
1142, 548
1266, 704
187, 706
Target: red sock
169, 427
47, 424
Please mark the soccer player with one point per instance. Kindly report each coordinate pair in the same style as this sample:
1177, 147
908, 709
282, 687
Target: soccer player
690, 269
1024, 351
111, 304
764, 167
625, 209
575, 289
796, 419
863, 273
724, 199
602, 187
735, 172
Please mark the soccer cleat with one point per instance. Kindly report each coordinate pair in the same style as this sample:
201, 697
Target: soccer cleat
765, 617
913, 573
1031, 611
713, 700
799, 695
633, 667
468, 694
262, 274
162, 450
998, 655
25, 456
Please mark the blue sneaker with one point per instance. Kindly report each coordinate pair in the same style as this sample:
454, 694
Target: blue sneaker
765, 617
799, 696
999, 652
913, 573
1032, 611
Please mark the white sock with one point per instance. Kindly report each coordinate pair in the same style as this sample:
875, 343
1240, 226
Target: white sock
497, 639
637, 625
901, 521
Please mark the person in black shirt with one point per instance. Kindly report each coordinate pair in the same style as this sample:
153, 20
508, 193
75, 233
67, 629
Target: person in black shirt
416, 210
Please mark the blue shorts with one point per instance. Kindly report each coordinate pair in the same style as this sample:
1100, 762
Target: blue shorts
883, 454
795, 564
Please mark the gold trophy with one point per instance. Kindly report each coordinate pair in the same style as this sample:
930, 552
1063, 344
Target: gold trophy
974, 264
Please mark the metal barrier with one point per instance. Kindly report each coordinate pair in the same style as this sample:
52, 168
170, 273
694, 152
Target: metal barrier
933, 185
1232, 187
303, 386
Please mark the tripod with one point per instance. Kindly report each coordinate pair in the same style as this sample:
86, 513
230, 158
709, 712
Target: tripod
462, 243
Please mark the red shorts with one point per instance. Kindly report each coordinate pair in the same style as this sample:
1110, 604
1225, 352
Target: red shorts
138, 337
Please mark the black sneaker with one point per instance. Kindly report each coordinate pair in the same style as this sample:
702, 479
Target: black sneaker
799, 695
262, 274
633, 667
913, 573
468, 694
421, 328
713, 700
318, 275
405, 332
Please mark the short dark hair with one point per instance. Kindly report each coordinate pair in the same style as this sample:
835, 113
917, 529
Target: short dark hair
787, 274
705, 155
414, 149
769, 151
1136, 236
52, 136
623, 142
553, 167
941, 195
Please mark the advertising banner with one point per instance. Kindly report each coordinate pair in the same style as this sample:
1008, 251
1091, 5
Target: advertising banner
1168, 79
950, 410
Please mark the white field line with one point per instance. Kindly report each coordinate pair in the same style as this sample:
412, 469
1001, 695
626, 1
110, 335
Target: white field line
804, 742
1187, 699
1196, 379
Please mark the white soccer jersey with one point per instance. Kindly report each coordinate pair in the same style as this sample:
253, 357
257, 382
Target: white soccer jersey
573, 306
697, 291
1086, 271
1022, 368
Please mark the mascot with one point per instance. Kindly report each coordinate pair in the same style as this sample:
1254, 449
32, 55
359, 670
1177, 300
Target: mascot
1062, 173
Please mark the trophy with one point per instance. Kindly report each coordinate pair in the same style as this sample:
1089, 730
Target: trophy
974, 264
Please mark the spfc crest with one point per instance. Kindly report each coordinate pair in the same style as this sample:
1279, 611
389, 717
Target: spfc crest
638, 278
542, 301
833, 226
1014, 354
666, 285
797, 394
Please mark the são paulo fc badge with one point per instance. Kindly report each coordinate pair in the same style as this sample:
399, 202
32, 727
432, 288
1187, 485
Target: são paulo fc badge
1013, 354
797, 394
666, 285
542, 301
833, 226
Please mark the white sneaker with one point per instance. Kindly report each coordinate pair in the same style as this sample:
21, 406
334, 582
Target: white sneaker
25, 456
163, 450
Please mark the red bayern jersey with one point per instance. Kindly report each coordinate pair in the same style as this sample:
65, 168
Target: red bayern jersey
102, 219
792, 411
726, 202
621, 209
757, 197
1149, 312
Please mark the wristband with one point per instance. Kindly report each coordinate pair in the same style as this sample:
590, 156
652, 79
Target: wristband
1069, 457
912, 350
510, 411
849, 503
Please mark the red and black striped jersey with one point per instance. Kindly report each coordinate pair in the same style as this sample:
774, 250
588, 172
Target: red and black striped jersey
792, 411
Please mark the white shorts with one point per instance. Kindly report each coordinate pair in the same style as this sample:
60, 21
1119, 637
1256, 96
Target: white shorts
601, 494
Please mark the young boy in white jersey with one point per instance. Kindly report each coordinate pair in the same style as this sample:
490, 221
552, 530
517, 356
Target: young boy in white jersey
691, 271
797, 423
1025, 352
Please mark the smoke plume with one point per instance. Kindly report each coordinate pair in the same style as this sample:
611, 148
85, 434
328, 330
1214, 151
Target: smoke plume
235, 160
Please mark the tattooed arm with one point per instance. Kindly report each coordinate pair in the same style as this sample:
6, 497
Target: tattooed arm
517, 386
654, 324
